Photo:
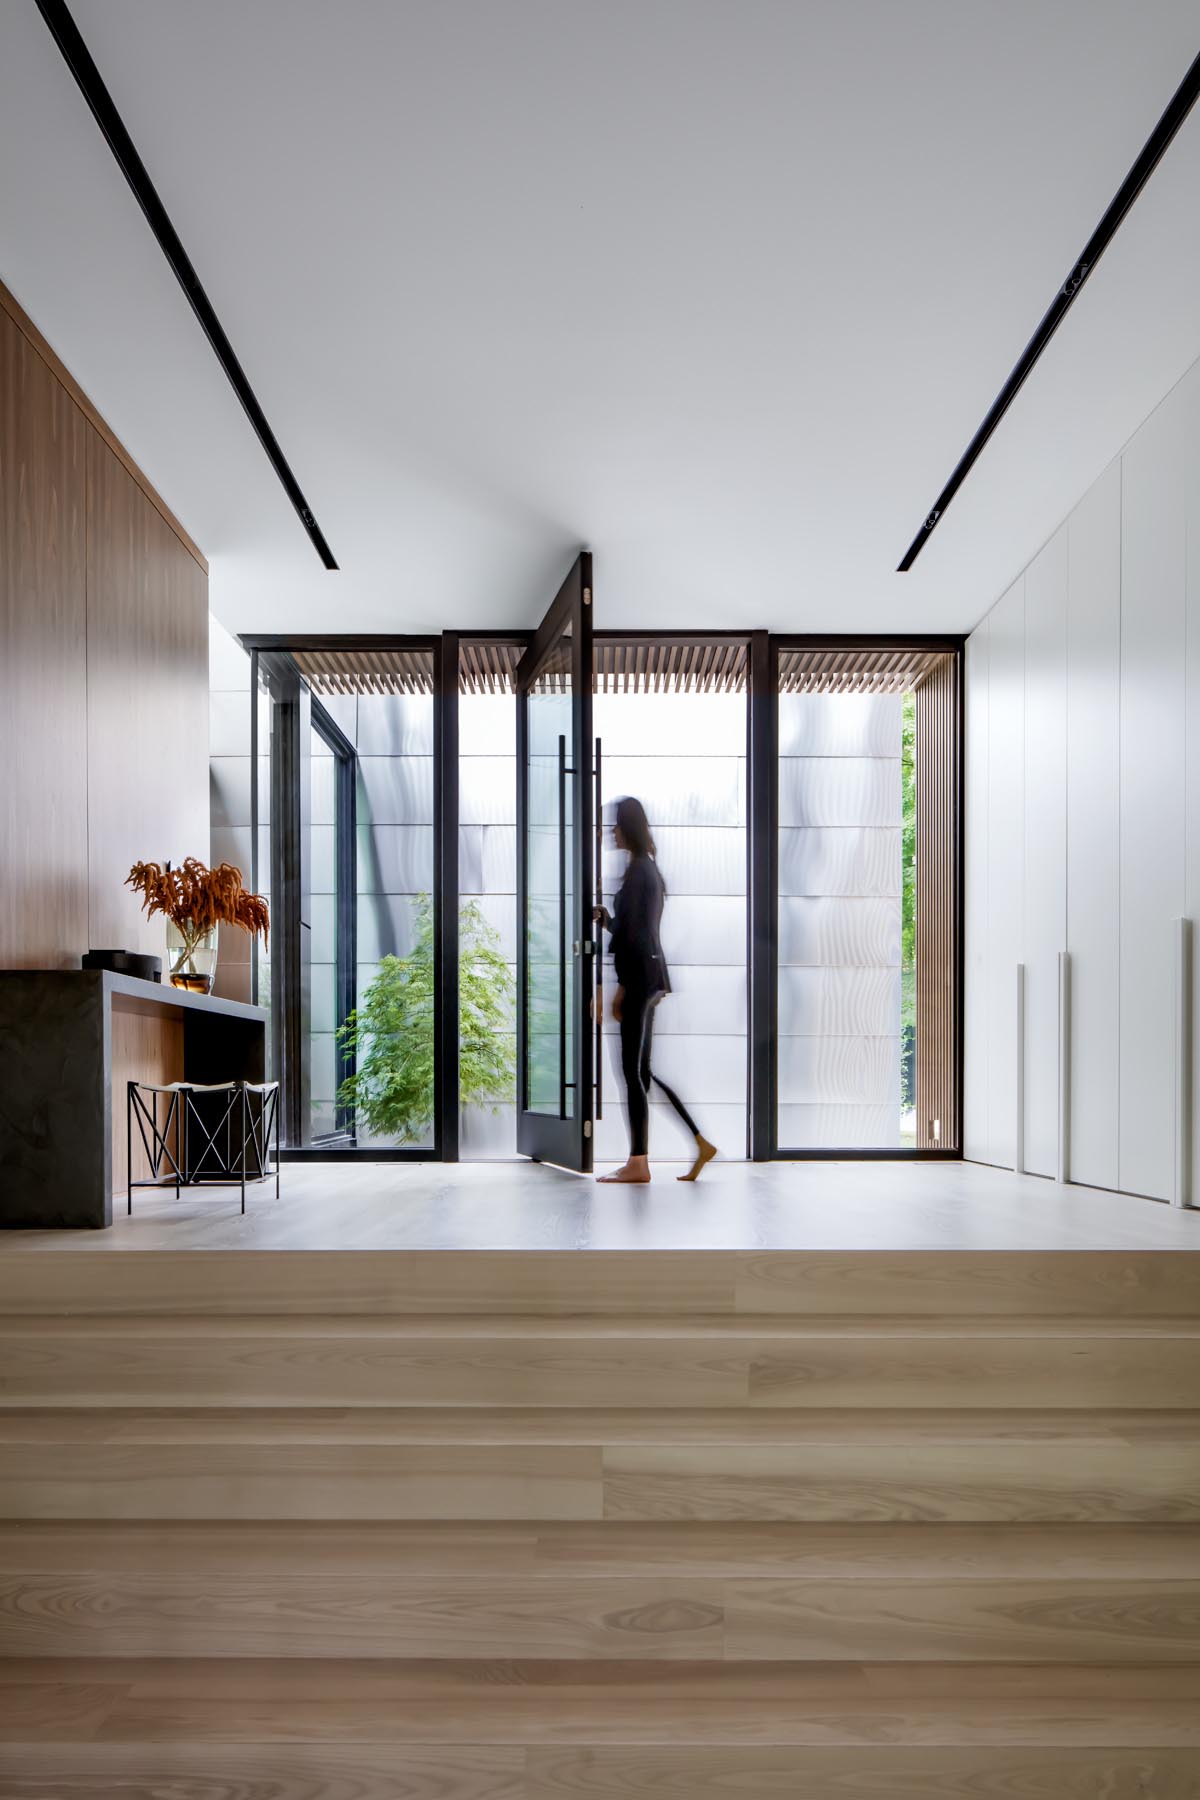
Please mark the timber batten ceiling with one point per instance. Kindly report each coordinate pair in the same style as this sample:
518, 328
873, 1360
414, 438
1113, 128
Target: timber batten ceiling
626, 665
895, 669
621, 665
666, 666
487, 666
383, 671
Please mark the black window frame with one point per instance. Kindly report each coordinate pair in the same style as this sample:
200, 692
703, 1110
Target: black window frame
762, 873
766, 826
346, 892
289, 996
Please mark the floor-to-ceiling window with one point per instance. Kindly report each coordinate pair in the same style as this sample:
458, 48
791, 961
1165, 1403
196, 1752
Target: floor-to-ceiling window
670, 723
866, 833
841, 828
487, 877
352, 854
670, 717
822, 1020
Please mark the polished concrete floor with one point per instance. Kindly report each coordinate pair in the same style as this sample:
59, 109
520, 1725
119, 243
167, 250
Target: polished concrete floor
520, 1205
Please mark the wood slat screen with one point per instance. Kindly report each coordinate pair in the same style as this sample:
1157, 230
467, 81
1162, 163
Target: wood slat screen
937, 906
880, 670
622, 665
382, 671
693, 666
488, 666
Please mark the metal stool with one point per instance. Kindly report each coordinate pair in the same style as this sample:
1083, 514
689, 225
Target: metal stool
215, 1138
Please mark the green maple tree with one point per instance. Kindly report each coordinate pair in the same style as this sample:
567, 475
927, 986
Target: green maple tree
390, 1036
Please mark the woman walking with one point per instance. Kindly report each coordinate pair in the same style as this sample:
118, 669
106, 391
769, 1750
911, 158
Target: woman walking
642, 980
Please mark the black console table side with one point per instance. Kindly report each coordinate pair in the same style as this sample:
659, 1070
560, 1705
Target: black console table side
56, 1075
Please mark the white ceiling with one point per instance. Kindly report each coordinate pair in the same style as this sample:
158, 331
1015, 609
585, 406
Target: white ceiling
718, 288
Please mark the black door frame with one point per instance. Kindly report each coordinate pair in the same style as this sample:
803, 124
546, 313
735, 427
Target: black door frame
288, 787
566, 1141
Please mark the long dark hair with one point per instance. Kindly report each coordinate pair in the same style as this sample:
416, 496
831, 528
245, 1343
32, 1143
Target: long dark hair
634, 827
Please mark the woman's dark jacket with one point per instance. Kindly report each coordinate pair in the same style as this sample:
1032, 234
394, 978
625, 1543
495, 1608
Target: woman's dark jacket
637, 916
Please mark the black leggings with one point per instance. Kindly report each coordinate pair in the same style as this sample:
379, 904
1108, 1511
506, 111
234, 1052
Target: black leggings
637, 1032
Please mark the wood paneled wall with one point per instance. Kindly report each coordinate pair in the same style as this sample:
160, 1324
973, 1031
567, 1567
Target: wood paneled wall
43, 661
147, 700
103, 670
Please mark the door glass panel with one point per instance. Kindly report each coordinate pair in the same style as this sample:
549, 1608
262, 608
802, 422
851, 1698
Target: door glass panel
867, 860
682, 752
351, 858
487, 885
393, 737
549, 897
841, 918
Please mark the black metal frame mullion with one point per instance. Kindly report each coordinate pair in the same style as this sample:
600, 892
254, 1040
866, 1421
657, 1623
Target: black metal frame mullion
288, 857
960, 901
563, 1082
346, 880
522, 1082
583, 844
439, 1028
447, 903
598, 936
762, 893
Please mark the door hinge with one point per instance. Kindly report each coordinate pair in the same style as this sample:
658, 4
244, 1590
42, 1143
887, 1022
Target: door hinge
587, 596
587, 1128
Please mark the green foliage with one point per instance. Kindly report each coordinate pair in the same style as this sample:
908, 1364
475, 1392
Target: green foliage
390, 1036
908, 801
908, 891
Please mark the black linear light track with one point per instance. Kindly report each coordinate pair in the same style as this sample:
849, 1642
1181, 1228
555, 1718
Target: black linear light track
79, 60
1152, 153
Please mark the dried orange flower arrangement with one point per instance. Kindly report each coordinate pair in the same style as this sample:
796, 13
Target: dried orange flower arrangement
196, 900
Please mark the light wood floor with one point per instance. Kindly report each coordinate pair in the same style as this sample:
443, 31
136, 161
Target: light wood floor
736, 1206
832, 1521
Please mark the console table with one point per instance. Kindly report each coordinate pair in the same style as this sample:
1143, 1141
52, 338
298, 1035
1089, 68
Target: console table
70, 1040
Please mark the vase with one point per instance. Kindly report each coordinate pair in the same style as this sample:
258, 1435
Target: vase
192, 957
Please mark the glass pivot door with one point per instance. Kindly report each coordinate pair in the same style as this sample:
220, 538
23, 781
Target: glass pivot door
555, 934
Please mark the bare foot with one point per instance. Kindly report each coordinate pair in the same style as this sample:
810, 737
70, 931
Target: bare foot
704, 1154
637, 1170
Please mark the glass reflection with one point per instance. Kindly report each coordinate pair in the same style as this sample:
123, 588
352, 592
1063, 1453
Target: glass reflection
549, 897
844, 919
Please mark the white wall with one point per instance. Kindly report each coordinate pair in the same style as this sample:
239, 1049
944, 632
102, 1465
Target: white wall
1083, 819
